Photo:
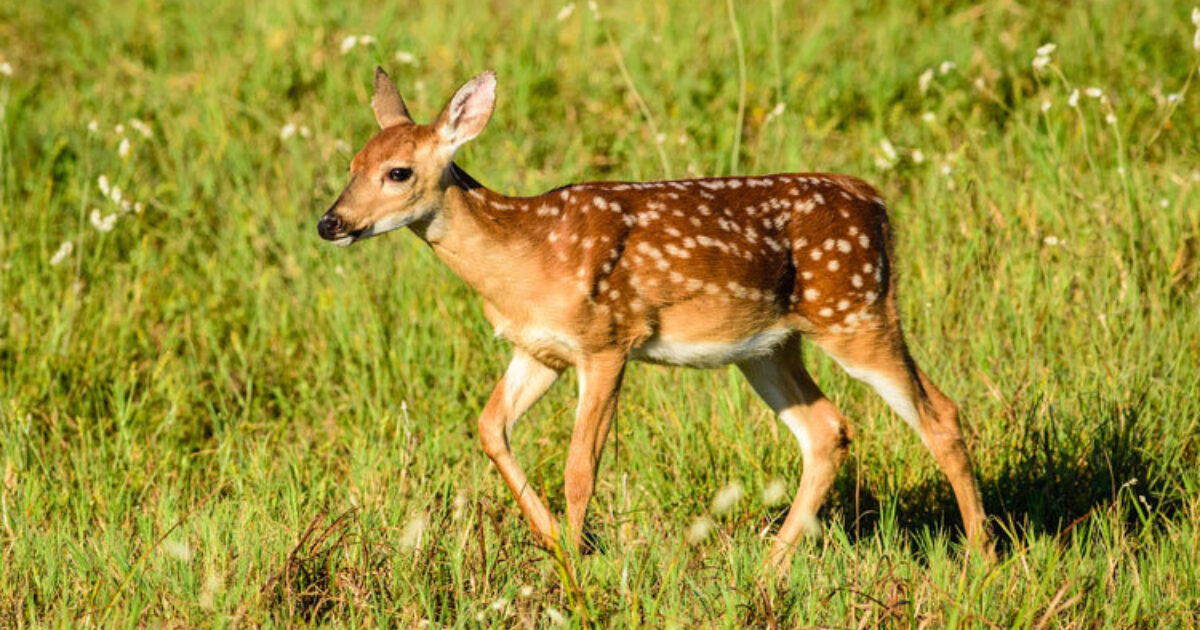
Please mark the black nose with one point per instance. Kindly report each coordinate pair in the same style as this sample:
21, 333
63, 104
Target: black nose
330, 226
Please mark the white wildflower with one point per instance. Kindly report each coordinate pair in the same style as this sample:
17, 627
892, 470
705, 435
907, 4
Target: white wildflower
1045, 49
287, 131
410, 538
917, 156
103, 223
925, 80
102, 182
116, 195
594, 8
1164, 203
525, 592
119, 129
141, 127
366, 40
1196, 16
177, 549
123, 148
556, 618
946, 67
1094, 92
1174, 98
1073, 99
349, 43
889, 151
565, 12
6, 68
305, 131
1196, 40
699, 529
661, 138
928, 117
774, 492
64, 250
775, 112
138, 207
499, 604
727, 497
1052, 241
94, 126
947, 169
1046, 105
406, 58
1040, 62
1111, 118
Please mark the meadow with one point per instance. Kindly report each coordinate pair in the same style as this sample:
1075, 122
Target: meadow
209, 417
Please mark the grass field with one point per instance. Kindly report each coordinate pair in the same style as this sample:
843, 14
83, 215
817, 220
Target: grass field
209, 417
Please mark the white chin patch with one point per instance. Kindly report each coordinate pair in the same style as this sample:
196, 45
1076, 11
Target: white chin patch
345, 241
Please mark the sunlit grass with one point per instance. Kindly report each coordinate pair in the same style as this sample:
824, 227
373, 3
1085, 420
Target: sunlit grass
209, 417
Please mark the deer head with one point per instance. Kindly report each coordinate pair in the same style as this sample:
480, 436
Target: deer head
400, 177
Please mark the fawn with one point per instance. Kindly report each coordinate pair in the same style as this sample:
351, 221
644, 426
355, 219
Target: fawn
700, 273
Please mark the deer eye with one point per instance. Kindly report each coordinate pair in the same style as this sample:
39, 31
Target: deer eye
399, 174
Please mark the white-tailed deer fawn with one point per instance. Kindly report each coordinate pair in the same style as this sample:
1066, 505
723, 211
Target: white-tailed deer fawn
700, 273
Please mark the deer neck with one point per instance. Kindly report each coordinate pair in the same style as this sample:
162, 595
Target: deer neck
473, 233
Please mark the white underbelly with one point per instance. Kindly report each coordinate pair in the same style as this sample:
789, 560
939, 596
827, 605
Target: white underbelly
709, 354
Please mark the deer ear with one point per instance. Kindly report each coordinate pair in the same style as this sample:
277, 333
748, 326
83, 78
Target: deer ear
468, 112
389, 107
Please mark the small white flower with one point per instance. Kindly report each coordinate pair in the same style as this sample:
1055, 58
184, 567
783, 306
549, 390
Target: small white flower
946, 169
1045, 49
138, 207
1052, 241
142, 128
1111, 118
1164, 203
177, 549
556, 618
1046, 105
406, 58
727, 497
928, 117
661, 138
6, 68
594, 8
64, 250
366, 40
1073, 99
775, 112
102, 182
287, 131
410, 538
774, 492
119, 129
348, 43
565, 12
526, 592
1196, 40
1174, 98
699, 529
305, 131
889, 151
1196, 16
116, 195
1040, 62
499, 604
925, 80
123, 148
917, 156
946, 67
94, 126
1094, 92
101, 222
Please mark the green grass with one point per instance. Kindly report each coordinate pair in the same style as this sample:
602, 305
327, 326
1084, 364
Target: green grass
210, 417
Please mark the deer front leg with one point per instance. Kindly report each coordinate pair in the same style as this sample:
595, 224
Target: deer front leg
599, 384
523, 384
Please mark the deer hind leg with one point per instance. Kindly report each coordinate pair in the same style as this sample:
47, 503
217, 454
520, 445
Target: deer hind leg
523, 384
785, 385
880, 358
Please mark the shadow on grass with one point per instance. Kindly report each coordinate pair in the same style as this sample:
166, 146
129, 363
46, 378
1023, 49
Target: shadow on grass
1057, 472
